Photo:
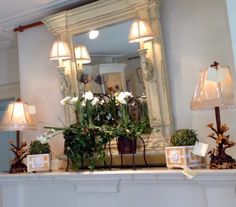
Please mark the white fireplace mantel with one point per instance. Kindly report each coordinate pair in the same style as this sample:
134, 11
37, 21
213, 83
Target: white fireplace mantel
149, 187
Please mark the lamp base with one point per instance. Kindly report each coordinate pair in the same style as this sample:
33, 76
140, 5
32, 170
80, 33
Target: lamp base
18, 167
222, 162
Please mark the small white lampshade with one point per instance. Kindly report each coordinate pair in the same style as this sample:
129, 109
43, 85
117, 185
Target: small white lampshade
60, 51
209, 94
140, 30
17, 117
82, 55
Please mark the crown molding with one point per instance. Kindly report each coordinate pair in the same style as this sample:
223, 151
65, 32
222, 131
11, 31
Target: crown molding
9, 23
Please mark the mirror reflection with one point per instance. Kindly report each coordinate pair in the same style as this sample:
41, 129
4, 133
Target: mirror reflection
107, 62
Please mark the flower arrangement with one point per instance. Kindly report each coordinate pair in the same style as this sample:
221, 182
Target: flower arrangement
99, 118
87, 137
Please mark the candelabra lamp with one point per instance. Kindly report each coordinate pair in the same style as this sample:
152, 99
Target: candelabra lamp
215, 91
17, 117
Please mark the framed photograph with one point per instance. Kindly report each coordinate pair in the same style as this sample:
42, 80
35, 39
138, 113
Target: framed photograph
140, 75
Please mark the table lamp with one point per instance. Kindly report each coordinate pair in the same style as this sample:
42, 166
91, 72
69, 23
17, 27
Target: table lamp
17, 118
214, 91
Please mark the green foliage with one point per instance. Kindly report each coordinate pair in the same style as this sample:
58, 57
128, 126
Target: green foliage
85, 144
36, 147
184, 137
100, 118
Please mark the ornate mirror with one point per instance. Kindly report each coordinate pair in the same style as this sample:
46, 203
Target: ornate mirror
115, 64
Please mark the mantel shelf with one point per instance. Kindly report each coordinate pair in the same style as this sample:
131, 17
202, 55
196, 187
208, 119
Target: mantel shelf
151, 174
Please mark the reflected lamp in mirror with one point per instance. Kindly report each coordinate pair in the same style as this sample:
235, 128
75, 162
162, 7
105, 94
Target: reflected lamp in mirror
214, 90
17, 117
81, 55
60, 51
140, 31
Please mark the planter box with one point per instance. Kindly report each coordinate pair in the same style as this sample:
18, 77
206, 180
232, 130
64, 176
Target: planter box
38, 163
182, 157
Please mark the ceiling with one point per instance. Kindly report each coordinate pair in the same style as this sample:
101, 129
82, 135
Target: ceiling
107, 43
20, 12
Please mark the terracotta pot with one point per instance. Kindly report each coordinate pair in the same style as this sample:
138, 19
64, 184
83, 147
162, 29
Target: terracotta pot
126, 145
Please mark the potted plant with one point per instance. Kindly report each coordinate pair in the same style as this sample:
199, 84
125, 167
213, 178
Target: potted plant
39, 153
130, 123
180, 155
85, 140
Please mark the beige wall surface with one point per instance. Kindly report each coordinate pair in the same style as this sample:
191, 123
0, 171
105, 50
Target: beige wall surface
39, 79
196, 33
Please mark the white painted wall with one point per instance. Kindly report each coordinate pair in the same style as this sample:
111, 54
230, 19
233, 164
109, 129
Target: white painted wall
39, 78
9, 69
195, 34
231, 6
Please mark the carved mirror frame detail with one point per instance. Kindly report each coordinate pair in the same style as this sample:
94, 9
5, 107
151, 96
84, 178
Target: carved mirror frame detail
103, 13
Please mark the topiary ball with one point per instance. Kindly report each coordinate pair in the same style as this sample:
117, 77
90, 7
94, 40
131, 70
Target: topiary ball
36, 147
184, 137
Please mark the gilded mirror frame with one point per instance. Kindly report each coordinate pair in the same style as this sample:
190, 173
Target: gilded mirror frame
102, 13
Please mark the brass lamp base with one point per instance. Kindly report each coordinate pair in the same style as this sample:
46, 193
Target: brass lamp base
18, 167
222, 162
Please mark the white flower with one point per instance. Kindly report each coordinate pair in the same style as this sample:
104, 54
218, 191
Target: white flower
73, 100
83, 103
122, 97
128, 94
95, 101
42, 139
65, 100
102, 102
88, 96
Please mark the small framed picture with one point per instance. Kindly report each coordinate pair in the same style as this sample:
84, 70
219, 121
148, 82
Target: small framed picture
37, 163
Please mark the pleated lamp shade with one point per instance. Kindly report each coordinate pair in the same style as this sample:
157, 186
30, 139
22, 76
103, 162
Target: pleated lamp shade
60, 51
140, 30
81, 54
209, 94
17, 117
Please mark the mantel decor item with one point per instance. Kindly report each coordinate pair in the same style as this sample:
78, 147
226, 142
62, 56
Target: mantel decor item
180, 155
39, 153
214, 91
17, 117
100, 118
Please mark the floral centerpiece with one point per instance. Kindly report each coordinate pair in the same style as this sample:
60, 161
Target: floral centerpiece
99, 118
86, 139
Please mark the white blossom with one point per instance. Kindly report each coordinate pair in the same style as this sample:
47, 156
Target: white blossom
95, 101
43, 139
88, 96
102, 102
65, 100
122, 97
83, 103
74, 100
